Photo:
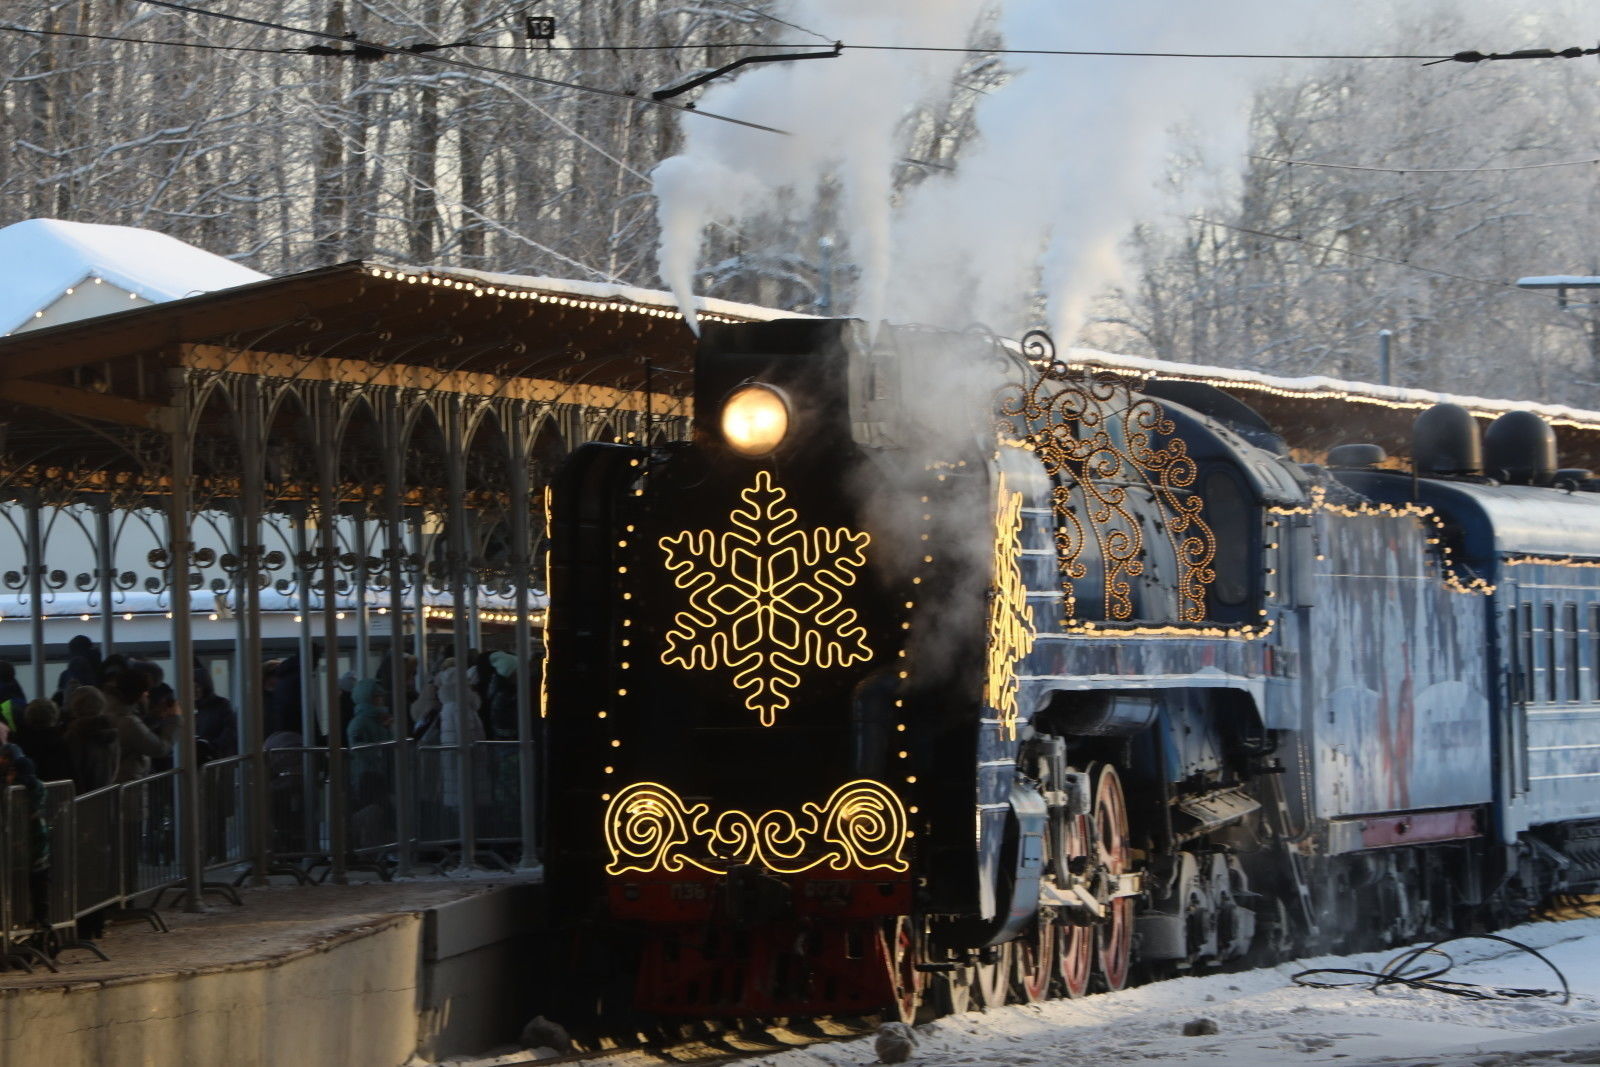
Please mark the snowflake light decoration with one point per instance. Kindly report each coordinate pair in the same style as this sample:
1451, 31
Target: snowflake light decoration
765, 599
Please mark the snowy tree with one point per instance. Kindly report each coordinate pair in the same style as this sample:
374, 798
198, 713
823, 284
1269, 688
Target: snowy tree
1298, 273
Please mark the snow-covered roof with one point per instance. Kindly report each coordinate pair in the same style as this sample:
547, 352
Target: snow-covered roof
612, 291
1318, 387
41, 259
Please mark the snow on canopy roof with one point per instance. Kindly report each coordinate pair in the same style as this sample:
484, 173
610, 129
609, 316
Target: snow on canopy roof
1317, 387
41, 258
614, 292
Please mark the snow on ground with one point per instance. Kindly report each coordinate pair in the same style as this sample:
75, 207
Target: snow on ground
1263, 1019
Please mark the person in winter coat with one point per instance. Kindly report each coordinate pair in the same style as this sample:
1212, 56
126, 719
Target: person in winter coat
503, 696
140, 745
456, 723
369, 725
92, 740
12, 698
16, 769
216, 724
40, 736
83, 665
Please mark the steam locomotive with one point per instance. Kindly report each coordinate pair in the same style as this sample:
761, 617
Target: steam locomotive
933, 669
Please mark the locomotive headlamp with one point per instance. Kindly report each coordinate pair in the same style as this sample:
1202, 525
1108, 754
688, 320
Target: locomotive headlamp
755, 419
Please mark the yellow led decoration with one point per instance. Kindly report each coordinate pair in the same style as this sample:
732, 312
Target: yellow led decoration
861, 826
765, 599
1011, 630
1097, 441
544, 673
1454, 581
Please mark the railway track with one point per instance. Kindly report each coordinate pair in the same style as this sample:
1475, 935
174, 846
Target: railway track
703, 1044
709, 1043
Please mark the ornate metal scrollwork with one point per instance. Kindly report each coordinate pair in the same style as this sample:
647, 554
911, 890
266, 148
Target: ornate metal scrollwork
861, 826
1098, 438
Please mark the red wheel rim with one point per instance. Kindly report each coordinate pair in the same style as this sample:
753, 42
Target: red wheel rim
1035, 961
1114, 937
908, 981
1075, 944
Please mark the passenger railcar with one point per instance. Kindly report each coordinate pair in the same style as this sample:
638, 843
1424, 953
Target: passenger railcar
933, 669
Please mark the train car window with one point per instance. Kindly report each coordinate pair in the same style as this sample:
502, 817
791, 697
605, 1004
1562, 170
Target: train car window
1230, 514
1569, 626
1594, 651
1527, 694
1551, 675
1514, 658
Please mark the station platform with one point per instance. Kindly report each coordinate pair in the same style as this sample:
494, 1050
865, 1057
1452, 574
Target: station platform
372, 973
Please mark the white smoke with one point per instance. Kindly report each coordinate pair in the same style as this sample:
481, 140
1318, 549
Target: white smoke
1070, 152
843, 119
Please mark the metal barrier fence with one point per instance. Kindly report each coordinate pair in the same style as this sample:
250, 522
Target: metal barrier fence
66, 859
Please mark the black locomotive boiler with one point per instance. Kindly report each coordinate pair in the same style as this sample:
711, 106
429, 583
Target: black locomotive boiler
934, 669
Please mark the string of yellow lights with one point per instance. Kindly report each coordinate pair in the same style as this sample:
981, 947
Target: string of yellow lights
1450, 570
475, 288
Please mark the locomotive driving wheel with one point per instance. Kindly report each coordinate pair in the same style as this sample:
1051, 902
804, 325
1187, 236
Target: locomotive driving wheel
994, 979
1075, 942
1034, 959
1113, 855
903, 957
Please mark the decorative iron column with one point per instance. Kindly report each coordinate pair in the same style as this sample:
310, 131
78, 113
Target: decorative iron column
363, 664
35, 550
251, 567
327, 423
394, 465
105, 551
519, 445
457, 541
180, 548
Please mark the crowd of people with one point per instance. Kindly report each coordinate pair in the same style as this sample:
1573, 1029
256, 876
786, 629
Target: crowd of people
115, 719
111, 719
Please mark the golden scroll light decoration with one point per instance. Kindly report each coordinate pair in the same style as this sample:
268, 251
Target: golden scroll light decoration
1097, 439
765, 598
861, 826
1011, 631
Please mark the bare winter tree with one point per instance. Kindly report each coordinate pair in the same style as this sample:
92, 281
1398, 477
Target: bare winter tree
1307, 263
233, 137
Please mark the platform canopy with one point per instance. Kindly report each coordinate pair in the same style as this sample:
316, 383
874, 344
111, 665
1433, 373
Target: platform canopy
366, 442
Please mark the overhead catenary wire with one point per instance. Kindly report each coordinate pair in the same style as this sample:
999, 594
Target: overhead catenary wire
1428, 170
32, 31
1297, 239
461, 64
419, 49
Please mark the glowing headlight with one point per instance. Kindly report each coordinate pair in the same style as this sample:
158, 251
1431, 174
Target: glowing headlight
755, 419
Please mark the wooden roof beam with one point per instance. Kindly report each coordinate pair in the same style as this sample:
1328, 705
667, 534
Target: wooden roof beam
83, 404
